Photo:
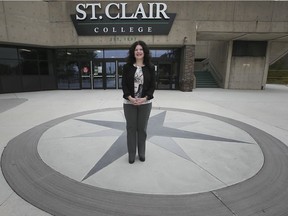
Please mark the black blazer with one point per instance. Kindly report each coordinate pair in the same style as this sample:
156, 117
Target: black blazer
128, 81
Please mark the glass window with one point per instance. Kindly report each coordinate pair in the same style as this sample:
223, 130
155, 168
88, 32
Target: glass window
110, 68
115, 53
120, 73
168, 54
43, 54
91, 53
61, 53
8, 53
29, 67
72, 53
27, 53
98, 53
164, 75
9, 67
158, 53
44, 68
62, 76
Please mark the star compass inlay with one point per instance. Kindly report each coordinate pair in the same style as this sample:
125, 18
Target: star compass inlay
204, 154
185, 152
157, 133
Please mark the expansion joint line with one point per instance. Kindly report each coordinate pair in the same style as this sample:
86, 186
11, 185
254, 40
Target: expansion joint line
6, 199
219, 198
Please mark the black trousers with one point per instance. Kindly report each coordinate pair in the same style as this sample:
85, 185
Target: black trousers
136, 125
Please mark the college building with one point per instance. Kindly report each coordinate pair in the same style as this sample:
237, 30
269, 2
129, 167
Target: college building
47, 45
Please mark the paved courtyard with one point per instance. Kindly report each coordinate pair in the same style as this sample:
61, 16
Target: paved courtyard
209, 152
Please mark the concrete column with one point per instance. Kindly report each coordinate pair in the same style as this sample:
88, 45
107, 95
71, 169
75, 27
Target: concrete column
228, 66
187, 76
266, 68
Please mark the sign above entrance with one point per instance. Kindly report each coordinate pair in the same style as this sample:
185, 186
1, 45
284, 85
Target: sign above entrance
152, 21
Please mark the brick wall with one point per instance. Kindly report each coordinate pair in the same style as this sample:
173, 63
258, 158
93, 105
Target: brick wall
187, 77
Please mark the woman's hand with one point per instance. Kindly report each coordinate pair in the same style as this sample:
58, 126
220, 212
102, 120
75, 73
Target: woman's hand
137, 101
132, 100
140, 101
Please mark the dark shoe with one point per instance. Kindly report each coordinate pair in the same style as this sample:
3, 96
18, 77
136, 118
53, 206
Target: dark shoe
131, 161
142, 159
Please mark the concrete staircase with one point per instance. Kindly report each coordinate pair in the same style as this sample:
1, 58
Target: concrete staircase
204, 79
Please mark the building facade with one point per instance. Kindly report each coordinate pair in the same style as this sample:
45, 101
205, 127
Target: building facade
47, 45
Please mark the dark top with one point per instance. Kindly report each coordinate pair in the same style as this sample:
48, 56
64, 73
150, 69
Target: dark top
128, 81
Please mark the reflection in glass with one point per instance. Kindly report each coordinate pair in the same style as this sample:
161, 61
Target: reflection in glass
73, 75
72, 53
120, 73
9, 67
164, 76
29, 67
98, 83
68, 75
110, 68
98, 54
97, 75
104, 67
111, 82
85, 74
116, 53
160, 53
111, 74
30, 54
8, 53
42, 54
60, 53
44, 68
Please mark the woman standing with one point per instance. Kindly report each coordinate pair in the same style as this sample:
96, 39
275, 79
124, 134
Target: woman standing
138, 85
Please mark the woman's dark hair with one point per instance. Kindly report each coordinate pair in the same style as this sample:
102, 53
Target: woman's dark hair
147, 57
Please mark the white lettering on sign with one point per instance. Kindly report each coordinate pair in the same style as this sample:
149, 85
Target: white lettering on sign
80, 8
122, 29
107, 11
155, 11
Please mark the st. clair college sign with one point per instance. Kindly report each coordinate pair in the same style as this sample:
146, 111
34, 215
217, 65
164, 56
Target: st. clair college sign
147, 19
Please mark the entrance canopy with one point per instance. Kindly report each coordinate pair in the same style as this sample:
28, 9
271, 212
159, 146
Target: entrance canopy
228, 36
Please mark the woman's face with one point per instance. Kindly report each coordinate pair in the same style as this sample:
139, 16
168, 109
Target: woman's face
139, 53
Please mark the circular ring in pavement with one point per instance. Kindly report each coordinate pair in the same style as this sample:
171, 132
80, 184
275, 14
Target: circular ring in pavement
36, 182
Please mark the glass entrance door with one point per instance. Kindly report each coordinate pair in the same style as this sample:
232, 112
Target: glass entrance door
104, 76
166, 75
120, 65
86, 75
98, 80
107, 74
110, 75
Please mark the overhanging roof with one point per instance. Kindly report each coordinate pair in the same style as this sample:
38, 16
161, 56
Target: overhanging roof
227, 36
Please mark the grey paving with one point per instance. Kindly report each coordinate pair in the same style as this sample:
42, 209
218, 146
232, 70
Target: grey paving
9, 103
237, 155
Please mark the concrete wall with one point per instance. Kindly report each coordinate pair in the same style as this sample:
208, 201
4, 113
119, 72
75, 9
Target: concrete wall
49, 24
246, 73
241, 16
218, 55
3, 32
202, 49
25, 22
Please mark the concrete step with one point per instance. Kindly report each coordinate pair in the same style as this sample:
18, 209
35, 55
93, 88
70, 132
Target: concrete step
204, 79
